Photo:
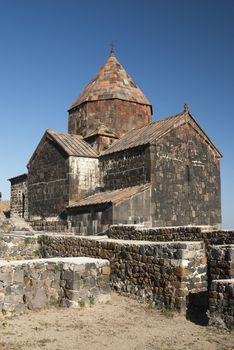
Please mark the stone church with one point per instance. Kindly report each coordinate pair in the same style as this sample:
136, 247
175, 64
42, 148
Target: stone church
116, 166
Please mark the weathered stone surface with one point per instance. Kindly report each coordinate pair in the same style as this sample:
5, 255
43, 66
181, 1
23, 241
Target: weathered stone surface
14, 224
19, 196
130, 168
17, 247
129, 205
83, 177
34, 284
154, 272
221, 301
48, 191
186, 180
35, 296
166, 234
220, 260
118, 115
163, 273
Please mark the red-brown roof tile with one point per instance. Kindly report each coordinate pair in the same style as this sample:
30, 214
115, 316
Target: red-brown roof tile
111, 82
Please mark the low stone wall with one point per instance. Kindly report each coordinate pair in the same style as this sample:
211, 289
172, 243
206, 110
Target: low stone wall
159, 273
166, 274
221, 262
168, 234
33, 284
50, 226
221, 303
17, 247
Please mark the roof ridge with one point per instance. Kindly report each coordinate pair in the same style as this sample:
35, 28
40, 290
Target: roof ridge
154, 131
157, 121
64, 133
141, 130
71, 144
171, 116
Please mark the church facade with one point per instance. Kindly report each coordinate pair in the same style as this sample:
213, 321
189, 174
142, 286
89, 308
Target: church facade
116, 166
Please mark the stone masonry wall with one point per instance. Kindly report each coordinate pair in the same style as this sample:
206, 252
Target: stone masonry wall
125, 169
221, 303
186, 180
19, 196
100, 142
221, 285
48, 183
50, 226
83, 177
117, 115
162, 273
221, 262
18, 247
159, 273
91, 220
167, 234
68, 282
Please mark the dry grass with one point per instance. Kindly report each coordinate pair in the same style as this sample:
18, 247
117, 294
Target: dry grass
4, 205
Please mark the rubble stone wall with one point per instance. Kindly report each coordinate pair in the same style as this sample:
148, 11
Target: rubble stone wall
159, 273
18, 247
221, 303
162, 273
50, 226
167, 234
221, 262
74, 282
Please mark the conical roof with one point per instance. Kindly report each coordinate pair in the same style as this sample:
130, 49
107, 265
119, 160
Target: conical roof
111, 81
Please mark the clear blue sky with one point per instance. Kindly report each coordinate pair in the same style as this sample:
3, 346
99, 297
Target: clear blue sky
176, 50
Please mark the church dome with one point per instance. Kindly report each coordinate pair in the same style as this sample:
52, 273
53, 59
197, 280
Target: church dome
111, 98
111, 82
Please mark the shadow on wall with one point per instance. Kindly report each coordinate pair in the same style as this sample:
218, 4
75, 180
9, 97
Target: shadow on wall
197, 307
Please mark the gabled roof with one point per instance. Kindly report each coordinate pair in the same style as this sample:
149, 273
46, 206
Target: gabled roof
111, 197
72, 145
150, 133
19, 178
111, 81
102, 130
